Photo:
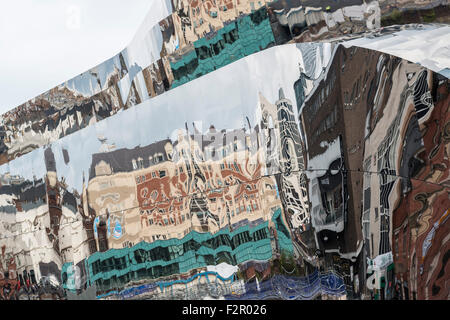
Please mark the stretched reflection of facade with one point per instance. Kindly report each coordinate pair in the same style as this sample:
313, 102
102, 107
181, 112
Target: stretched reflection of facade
349, 186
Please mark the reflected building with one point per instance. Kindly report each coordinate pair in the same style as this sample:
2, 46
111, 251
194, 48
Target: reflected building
284, 160
369, 172
333, 118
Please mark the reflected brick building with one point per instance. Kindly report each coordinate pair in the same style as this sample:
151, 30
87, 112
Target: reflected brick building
420, 223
